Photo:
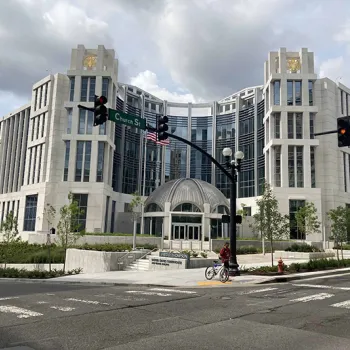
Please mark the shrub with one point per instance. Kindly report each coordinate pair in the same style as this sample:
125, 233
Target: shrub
204, 255
302, 248
194, 254
345, 246
248, 250
37, 274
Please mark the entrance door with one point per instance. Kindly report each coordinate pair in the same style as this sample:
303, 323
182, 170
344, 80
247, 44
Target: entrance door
178, 231
193, 232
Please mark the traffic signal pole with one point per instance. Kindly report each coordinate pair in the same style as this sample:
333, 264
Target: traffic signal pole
325, 133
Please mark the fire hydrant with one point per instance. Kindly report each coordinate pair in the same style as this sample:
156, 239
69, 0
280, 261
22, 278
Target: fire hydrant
280, 266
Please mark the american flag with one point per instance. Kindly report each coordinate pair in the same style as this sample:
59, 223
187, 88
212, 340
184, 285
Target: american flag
153, 137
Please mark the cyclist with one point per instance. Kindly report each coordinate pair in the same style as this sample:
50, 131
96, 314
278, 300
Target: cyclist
225, 254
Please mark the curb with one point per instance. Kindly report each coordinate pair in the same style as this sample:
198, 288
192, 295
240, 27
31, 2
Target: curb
88, 283
287, 278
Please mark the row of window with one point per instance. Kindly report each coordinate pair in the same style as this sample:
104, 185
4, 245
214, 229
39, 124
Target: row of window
38, 126
83, 161
294, 93
85, 122
41, 94
88, 88
295, 166
34, 164
294, 125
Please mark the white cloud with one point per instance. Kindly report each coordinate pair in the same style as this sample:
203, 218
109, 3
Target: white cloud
336, 69
148, 81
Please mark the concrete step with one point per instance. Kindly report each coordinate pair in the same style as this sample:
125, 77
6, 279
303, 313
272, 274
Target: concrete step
139, 265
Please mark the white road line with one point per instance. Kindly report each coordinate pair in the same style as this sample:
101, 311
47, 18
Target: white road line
257, 291
344, 304
327, 277
320, 296
61, 308
21, 313
87, 301
8, 298
320, 286
173, 290
42, 302
148, 293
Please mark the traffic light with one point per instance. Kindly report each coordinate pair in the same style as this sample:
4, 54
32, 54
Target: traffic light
162, 128
343, 127
52, 230
100, 110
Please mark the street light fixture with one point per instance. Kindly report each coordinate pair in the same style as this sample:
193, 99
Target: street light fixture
235, 166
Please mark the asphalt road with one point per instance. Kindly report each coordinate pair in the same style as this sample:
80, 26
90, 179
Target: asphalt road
309, 314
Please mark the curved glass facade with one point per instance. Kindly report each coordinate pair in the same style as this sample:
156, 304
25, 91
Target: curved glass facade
235, 122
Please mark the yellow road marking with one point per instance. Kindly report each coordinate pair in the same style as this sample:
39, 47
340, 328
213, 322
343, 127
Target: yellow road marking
213, 283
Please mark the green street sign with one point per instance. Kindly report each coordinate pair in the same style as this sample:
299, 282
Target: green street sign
126, 119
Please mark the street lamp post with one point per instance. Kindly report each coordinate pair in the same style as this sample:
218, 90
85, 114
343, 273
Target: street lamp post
235, 166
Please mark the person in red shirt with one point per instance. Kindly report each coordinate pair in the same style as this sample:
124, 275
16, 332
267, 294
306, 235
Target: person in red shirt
225, 254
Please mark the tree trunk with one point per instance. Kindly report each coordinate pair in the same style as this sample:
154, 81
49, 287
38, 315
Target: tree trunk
341, 249
271, 246
263, 243
134, 235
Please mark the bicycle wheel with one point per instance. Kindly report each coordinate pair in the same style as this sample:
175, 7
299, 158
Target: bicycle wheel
209, 273
224, 275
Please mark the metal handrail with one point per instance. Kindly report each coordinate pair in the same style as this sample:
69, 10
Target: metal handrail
153, 250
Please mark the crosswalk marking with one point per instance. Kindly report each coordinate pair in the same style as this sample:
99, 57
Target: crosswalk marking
173, 290
20, 312
257, 291
344, 304
94, 302
320, 286
62, 308
148, 293
8, 298
320, 296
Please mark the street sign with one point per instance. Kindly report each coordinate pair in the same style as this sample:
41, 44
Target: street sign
126, 119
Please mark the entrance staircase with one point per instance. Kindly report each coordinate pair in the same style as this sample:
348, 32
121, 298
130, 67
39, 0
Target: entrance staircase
141, 264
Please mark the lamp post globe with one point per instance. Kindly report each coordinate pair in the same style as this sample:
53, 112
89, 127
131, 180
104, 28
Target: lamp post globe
239, 155
227, 152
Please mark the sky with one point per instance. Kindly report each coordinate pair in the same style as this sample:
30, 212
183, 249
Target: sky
178, 50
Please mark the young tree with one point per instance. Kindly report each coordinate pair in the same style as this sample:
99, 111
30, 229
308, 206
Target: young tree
340, 221
243, 213
49, 216
9, 230
135, 204
307, 220
69, 227
268, 220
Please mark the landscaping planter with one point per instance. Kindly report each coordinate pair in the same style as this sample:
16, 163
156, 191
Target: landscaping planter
307, 256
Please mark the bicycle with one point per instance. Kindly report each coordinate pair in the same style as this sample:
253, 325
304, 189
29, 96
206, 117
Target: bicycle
217, 268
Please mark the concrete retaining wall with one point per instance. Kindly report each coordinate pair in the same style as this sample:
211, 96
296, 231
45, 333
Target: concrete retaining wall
94, 261
89, 239
31, 267
298, 255
197, 263
164, 263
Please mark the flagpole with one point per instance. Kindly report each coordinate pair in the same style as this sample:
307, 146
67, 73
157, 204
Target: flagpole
142, 228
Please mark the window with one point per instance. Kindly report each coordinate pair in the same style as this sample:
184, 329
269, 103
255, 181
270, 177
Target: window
295, 125
43, 125
313, 168
113, 216
298, 93
153, 207
278, 166
40, 92
291, 166
347, 104
92, 89
38, 125
79, 160
71, 90
277, 125
82, 200
34, 164
66, 161
290, 95
294, 93
30, 213
102, 129
105, 85
46, 92
246, 184
311, 93
344, 172
84, 89
187, 207
100, 161
342, 101
106, 214
39, 163
87, 161
35, 100
69, 122
312, 123
294, 206
86, 121
300, 165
